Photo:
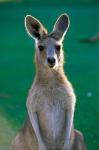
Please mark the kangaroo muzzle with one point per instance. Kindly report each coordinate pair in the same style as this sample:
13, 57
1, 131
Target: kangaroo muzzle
51, 61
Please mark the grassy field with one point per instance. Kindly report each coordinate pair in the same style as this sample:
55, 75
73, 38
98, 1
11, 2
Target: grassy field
17, 68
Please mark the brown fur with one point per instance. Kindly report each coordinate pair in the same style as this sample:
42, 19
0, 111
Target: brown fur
51, 99
26, 139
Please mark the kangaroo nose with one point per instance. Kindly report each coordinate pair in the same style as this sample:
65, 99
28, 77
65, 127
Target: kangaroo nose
51, 61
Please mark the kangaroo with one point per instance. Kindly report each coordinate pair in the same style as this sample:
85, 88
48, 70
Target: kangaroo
51, 99
92, 39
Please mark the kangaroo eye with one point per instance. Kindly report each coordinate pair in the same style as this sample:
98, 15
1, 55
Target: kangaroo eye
57, 47
41, 48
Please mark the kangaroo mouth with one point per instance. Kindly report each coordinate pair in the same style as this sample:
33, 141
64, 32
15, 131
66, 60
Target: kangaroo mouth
51, 65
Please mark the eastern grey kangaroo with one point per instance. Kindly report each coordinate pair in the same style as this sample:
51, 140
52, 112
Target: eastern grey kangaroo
51, 99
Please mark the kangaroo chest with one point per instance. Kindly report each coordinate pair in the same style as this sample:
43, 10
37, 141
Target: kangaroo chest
52, 121
51, 105
51, 110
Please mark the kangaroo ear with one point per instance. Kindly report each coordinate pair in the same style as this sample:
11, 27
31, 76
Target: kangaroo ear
34, 28
61, 26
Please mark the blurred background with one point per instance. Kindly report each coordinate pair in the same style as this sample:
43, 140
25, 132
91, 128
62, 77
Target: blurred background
17, 67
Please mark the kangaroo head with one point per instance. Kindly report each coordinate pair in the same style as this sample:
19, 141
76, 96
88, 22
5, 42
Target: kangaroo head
49, 51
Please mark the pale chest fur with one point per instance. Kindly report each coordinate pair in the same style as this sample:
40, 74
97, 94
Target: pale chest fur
43, 96
51, 104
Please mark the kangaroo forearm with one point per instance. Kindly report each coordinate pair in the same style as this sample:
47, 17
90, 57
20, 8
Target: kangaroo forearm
35, 124
69, 125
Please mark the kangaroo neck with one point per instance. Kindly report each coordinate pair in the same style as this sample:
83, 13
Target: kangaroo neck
45, 75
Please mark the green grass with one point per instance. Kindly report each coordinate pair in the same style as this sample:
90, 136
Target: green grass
17, 68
